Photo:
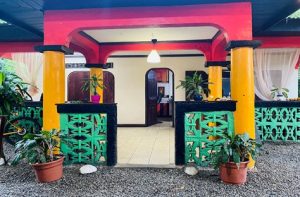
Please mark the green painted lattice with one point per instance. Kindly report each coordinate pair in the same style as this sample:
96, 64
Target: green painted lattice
85, 138
27, 117
278, 123
198, 144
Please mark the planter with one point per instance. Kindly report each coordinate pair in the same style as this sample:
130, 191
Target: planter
95, 98
230, 173
3, 120
280, 97
198, 97
48, 172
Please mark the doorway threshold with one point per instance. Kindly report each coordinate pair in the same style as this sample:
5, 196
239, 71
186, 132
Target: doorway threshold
171, 166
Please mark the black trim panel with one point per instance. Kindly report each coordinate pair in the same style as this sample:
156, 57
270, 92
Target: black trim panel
217, 63
103, 66
111, 111
60, 48
181, 108
266, 104
242, 43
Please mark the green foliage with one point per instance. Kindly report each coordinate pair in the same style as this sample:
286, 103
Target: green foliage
194, 85
37, 148
236, 148
279, 91
92, 83
12, 89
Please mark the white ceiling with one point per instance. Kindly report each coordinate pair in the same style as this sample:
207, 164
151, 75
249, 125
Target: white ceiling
146, 34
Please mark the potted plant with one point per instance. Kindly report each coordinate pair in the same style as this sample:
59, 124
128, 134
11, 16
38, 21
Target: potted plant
92, 84
12, 94
194, 86
233, 157
39, 150
281, 94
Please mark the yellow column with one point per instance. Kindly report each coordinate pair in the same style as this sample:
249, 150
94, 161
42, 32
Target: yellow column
215, 80
53, 87
242, 90
98, 72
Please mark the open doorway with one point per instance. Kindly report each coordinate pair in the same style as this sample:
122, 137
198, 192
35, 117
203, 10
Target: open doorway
159, 97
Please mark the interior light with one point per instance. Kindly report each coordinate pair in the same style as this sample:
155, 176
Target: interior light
153, 57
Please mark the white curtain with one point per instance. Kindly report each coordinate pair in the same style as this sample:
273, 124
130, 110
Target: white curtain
28, 67
273, 68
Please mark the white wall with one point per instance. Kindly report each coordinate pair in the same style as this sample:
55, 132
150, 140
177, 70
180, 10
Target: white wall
130, 76
70, 60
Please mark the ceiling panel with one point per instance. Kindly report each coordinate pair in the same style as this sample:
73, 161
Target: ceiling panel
146, 34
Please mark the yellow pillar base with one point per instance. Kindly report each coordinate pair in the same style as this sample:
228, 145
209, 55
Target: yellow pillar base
99, 73
242, 90
53, 87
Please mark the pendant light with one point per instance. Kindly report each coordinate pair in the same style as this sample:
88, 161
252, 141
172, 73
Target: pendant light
153, 57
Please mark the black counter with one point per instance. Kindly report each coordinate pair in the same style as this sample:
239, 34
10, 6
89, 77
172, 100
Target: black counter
261, 104
111, 111
33, 104
182, 107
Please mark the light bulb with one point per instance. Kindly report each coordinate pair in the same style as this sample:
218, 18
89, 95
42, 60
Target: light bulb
153, 57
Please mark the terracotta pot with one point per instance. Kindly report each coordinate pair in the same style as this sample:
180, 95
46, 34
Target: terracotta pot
48, 172
230, 173
95, 98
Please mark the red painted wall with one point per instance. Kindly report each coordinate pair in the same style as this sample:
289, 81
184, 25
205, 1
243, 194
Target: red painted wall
235, 19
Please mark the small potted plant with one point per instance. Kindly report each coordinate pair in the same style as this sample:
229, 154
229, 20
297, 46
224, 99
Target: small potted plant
39, 150
92, 84
233, 157
194, 86
280, 94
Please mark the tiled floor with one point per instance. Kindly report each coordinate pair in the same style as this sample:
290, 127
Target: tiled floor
150, 146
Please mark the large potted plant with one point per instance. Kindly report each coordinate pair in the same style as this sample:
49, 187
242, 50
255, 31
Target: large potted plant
12, 94
195, 86
92, 84
234, 156
40, 151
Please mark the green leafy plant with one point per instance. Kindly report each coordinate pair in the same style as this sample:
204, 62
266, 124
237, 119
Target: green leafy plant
236, 148
92, 83
12, 89
280, 91
38, 148
194, 85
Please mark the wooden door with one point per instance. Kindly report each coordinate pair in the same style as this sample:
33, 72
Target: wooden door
109, 90
151, 98
75, 81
